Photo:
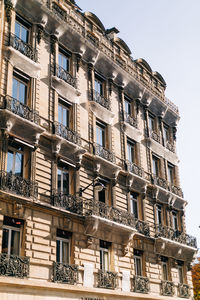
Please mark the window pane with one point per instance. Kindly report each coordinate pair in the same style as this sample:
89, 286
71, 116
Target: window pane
65, 183
22, 92
102, 196
15, 240
17, 29
100, 136
180, 274
155, 166
127, 107
14, 88
138, 266
60, 114
101, 259
18, 164
65, 252
106, 261
159, 215
134, 208
59, 180
130, 150
58, 251
164, 269
5, 241
98, 87
10, 159
24, 34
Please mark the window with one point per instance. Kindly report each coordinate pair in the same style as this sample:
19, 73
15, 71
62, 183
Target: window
63, 61
175, 220
170, 169
134, 204
164, 264
15, 159
22, 29
20, 87
131, 149
165, 134
127, 106
151, 123
63, 246
138, 262
159, 214
100, 134
11, 236
63, 114
98, 86
155, 166
104, 255
180, 271
63, 180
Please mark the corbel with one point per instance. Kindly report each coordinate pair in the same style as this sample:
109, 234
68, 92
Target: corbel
40, 32
78, 61
53, 40
8, 7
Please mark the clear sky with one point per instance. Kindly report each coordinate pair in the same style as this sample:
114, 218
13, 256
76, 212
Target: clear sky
166, 33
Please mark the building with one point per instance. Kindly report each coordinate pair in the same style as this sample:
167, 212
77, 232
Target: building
90, 199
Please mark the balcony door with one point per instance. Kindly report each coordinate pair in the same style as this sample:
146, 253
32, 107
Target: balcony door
19, 89
11, 236
63, 184
15, 160
63, 246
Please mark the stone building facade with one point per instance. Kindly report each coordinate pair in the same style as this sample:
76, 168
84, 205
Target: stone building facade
90, 200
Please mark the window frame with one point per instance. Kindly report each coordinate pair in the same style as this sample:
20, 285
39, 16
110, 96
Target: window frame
170, 173
68, 107
23, 23
66, 171
100, 82
134, 200
21, 79
155, 166
138, 258
102, 128
64, 54
15, 150
102, 252
159, 214
131, 150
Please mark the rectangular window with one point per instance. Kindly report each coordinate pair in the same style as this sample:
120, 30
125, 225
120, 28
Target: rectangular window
175, 220
151, 123
98, 86
20, 88
180, 271
63, 181
63, 114
170, 169
104, 255
138, 262
15, 159
131, 151
165, 134
164, 264
100, 134
134, 204
63, 246
22, 29
159, 214
127, 106
11, 236
155, 166
63, 61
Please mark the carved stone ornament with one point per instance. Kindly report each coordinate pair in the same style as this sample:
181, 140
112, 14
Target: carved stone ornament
9, 8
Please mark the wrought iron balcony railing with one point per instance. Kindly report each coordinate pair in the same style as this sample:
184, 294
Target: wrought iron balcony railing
176, 190
175, 235
92, 39
183, 290
104, 153
107, 280
117, 215
155, 136
23, 47
68, 202
18, 185
62, 14
65, 75
135, 169
170, 146
14, 265
20, 109
130, 119
66, 133
141, 284
167, 288
95, 96
163, 183
65, 273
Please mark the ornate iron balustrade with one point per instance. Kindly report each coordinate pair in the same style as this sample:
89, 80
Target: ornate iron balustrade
107, 280
18, 185
183, 290
142, 227
62, 14
161, 182
20, 109
141, 284
92, 39
177, 190
175, 235
135, 169
155, 136
104, 153
167, 288
170, 146
68, 202
130, 119
65, 75
66, 133
23, 47
95, 96
65, 273
14, 265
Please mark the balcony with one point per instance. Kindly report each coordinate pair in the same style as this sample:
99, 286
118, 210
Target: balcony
66, 133
14, 265
67, 202
23, 56
141, 284
65, 273
18, 119
175, 235
108, 216
107, 280
130, 126
130, 119
136, 175
183, 290
17, 185
104, 153
135, 169
65, 84
101, 107
167, 288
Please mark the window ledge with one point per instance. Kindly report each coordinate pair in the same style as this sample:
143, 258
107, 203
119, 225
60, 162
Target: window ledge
22, 62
